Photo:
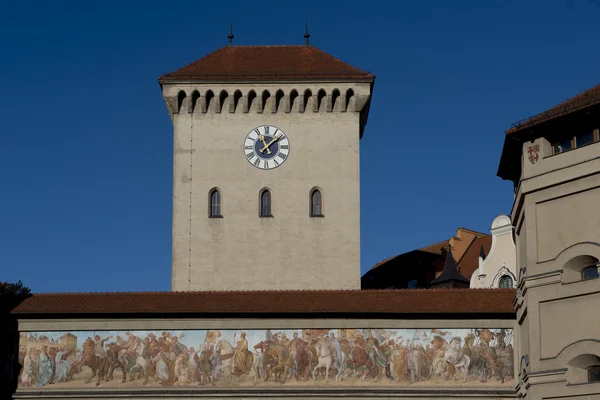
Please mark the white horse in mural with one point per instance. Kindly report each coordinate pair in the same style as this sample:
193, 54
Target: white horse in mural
325, 359
455, 356
226, 350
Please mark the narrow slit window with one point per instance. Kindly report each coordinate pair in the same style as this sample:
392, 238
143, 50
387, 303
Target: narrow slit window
265, 204
215, 204
316, 204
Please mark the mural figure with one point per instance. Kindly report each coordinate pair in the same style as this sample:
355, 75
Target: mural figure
313, 357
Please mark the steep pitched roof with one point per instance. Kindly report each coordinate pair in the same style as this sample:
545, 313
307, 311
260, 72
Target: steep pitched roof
422, 301
585, 99
267, 63
435, 248
469, 262
449, 273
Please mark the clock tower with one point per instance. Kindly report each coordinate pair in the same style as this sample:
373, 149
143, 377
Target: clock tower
266, 169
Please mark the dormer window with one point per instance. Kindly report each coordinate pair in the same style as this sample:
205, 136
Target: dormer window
580, 140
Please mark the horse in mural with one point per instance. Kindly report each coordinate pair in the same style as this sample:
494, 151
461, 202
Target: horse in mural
225, 351
358, 359
457, 358
324, 357
98, 365
273, 360
417, 364
141, 362
114, 361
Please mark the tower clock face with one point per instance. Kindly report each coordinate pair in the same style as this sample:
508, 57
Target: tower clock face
266, 147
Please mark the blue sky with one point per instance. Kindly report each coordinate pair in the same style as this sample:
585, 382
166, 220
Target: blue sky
85, 141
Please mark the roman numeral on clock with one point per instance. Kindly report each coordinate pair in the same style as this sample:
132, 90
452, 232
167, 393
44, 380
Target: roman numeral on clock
257, 162
248, 147
250, 155
266, 130
285, 146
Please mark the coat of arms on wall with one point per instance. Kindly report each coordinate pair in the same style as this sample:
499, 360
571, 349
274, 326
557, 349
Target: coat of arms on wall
534, 153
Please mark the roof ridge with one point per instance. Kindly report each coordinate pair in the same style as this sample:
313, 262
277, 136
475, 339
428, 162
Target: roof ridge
267, 62
196, 61
466, 250
340, 61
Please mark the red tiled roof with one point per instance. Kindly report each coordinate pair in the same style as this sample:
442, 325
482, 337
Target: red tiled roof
267, 62
470, 260
460, 301
588, 98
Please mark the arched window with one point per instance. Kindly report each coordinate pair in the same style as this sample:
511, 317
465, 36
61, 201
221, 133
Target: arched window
215, 204
590, 272
316, 203
506, 282
265, 203
580, 268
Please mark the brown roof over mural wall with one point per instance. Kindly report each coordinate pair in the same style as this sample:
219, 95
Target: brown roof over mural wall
419, 301
267, 62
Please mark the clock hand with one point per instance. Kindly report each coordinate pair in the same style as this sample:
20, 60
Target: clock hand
276, 138
262, 139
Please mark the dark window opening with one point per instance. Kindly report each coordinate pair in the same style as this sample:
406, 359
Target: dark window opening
412, 284
594, 374
590, 272
215, 204
580, 140
586, 138
316, 204
506, 282
265, 204
563, 146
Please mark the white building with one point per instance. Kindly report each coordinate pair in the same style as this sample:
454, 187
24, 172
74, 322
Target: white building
498, 269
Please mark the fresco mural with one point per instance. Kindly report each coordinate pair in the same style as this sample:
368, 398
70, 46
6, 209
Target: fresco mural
272, 357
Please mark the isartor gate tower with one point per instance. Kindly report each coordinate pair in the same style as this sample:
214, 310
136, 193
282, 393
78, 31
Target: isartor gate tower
266, 169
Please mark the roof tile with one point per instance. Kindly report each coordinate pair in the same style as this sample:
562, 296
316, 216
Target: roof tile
585, 99
248, 302
267, 62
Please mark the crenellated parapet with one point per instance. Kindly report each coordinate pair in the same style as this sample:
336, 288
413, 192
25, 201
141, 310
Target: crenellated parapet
197, 101
211, 99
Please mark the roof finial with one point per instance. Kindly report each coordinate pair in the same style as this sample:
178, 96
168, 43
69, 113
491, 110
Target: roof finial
307, 35
230, 36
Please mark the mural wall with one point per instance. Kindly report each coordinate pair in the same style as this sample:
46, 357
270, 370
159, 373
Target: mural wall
272, 357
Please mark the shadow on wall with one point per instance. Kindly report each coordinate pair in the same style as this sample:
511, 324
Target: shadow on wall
11, 295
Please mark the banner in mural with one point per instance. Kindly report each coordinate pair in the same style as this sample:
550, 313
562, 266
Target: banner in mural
272, 357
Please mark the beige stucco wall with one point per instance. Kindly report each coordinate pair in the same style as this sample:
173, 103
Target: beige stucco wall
502, 258
556, 219
242, 251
